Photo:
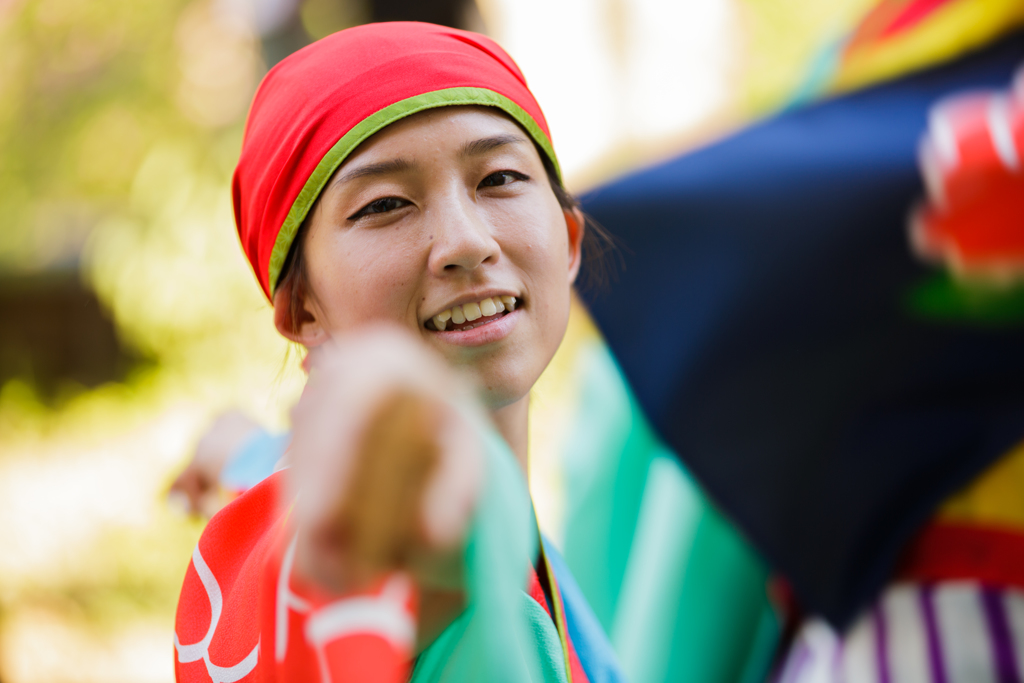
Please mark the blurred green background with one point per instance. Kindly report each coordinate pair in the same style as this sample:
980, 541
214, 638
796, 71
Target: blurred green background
128, 316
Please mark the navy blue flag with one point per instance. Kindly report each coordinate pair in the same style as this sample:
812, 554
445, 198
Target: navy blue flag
826, 388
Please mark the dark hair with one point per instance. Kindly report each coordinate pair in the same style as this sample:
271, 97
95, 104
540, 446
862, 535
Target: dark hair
598, 243
595, 273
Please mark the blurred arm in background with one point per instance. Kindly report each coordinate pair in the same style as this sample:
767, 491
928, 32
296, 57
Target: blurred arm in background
233, 455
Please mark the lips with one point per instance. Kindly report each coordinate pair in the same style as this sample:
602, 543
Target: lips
474, 314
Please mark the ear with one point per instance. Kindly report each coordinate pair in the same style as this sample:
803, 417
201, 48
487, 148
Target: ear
575, 224
304, 327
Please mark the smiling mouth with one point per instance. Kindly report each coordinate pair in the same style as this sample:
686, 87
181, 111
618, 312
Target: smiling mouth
468, 316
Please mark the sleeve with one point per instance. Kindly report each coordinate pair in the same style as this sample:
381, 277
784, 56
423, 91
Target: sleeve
253, 461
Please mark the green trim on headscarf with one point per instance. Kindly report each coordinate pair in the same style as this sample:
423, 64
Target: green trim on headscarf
449, 97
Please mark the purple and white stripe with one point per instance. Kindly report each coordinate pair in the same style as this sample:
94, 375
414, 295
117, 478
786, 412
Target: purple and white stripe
949, 632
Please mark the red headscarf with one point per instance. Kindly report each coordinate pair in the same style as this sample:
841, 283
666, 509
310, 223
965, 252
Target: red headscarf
315, 107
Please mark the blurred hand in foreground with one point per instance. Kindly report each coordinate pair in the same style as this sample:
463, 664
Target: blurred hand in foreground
386, 467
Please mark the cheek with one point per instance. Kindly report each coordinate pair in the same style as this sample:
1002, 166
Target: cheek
361, 277
533, 227
541, 246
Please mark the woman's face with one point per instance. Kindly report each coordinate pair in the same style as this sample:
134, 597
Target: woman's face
436, 221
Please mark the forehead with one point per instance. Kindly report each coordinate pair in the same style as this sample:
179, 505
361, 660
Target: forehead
438, 129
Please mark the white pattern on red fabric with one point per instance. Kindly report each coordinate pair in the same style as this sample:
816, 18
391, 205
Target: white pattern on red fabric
201, 650
286, 600
246, 579
972, 161
385, 615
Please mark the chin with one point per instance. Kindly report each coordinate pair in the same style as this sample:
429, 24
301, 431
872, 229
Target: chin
501, 389
494, 401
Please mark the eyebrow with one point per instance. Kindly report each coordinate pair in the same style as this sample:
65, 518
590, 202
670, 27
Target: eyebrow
484, 145
474, 148
378, 169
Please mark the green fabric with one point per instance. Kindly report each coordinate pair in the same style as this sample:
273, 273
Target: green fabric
682, 595
448, 97
680, 592
501, 636
643, 633
706, 589
765, 642
606, 459
545, 635
943, 298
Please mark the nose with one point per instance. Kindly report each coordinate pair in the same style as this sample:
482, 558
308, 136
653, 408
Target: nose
463, 239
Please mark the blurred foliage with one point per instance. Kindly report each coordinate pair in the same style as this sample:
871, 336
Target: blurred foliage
120, 123
82, 96
133, 573
323, 17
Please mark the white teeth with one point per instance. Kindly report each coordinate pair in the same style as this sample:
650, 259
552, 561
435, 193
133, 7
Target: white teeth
486, 308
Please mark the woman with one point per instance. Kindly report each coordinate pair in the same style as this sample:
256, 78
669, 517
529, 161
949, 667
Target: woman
399, 200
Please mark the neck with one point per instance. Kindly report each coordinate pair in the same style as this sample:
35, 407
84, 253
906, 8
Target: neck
512, 422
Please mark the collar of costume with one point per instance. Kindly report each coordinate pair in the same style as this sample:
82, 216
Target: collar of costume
316, 106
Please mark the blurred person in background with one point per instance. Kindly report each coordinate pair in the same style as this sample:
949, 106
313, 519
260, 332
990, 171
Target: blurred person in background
233, 454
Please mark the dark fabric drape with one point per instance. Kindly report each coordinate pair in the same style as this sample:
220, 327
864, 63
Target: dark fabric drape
784, 340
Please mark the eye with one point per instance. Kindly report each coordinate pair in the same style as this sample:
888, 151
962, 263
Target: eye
502, 178
382, 205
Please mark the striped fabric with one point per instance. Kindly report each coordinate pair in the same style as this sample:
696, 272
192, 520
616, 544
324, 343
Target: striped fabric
536, 591
948, 632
